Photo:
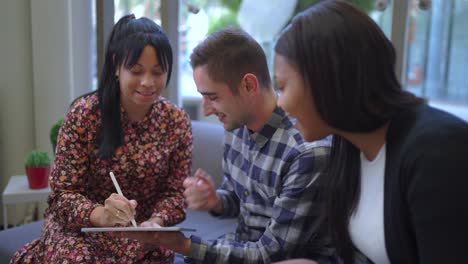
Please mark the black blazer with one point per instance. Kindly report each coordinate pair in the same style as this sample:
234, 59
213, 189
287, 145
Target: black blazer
426, 188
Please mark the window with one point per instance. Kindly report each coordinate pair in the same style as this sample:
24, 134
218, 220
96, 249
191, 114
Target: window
200, 18
139, 8
436, 45
438, 49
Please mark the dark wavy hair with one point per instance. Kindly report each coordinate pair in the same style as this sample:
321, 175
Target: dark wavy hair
348, 63
126, 42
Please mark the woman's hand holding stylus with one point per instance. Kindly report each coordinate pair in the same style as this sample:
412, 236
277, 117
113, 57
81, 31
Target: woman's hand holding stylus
117, 210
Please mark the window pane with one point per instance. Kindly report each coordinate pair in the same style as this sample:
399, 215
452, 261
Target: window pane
381, 12
457, 83
146, 8
201, 17
437, 51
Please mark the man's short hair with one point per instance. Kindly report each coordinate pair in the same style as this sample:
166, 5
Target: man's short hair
229, 54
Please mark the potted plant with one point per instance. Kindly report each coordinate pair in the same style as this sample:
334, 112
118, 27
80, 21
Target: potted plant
37, 165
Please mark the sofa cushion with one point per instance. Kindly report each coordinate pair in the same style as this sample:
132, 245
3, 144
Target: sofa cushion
14, 238
208, 149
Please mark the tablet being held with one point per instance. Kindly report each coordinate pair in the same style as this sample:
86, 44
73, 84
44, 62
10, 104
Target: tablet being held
127, 128
137, 229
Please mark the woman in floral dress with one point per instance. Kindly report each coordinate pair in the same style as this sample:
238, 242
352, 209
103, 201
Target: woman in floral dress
127, 128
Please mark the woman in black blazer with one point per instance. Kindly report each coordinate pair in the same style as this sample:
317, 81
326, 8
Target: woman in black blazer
398, 184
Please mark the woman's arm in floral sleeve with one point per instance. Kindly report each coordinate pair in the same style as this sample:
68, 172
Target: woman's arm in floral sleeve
171, 205
68, 178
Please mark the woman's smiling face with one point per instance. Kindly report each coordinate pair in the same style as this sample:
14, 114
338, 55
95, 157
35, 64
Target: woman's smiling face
297, 100
142, 83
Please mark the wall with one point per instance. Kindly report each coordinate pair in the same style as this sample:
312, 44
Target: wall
16, 88
46, 57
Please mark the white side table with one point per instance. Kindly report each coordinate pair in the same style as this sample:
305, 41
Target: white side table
17, 191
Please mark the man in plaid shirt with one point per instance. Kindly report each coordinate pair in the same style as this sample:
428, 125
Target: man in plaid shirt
270, 185
271, 175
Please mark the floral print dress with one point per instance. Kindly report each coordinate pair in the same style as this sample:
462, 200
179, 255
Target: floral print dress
150, 167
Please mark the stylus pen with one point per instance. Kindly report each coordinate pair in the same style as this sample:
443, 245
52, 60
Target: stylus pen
117, 187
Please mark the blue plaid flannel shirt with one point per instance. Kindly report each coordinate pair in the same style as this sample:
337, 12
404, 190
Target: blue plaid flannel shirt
270, 184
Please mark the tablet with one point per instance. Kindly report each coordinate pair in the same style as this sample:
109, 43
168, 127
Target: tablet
136, 229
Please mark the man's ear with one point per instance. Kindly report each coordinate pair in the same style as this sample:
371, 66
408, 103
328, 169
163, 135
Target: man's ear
250, 83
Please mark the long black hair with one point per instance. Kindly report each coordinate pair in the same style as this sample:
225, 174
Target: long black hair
126, 42
348, 63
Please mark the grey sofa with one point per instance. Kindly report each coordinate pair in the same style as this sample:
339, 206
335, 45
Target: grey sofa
207, 154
